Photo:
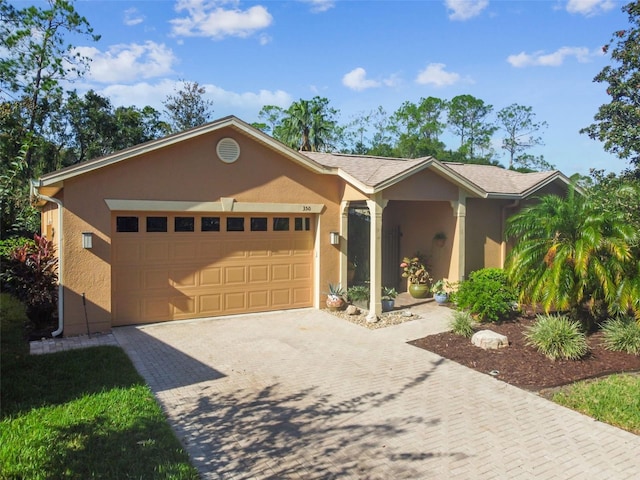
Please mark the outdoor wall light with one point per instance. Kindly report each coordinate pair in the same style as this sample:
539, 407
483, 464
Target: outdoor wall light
334, 238
87, 239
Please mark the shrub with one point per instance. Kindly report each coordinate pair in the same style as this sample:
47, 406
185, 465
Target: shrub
358, 293
557, 337
31, 275
486, 294
8, 245
622, 335
462, 323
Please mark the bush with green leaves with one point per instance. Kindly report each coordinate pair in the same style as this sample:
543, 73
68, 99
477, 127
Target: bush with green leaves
462, 323
622, 334
557, 337
486, 294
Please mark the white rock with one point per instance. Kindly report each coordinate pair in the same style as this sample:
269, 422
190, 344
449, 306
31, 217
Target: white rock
352, 310
372, 318
488, 339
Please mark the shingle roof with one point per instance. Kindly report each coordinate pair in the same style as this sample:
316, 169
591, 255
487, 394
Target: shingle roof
375, 171
372, 171
500, 180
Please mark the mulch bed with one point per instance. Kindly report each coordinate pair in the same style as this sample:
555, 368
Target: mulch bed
523, 366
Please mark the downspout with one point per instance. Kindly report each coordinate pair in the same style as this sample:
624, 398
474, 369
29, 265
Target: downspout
60, 256
503, 247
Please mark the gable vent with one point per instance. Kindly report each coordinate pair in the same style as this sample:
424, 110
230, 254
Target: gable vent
228, 150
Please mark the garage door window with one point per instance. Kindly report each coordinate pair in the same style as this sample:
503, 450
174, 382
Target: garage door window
184, 224
302, 224
126, 224
281, 224
258, 224
210, 224
156, 224
235, 224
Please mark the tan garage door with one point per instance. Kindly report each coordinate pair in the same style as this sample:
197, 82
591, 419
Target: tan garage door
181, 266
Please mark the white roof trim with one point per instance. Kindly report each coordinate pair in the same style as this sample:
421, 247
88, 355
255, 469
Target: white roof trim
224, 205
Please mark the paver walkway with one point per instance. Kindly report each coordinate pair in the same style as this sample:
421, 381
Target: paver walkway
305, 395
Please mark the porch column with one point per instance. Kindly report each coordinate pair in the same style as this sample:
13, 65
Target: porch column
459, 243
344, 244
376, 205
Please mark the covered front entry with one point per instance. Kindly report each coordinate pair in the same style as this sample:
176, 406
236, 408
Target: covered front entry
172, 266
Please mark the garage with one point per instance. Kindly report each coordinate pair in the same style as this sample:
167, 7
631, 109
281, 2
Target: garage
181, 265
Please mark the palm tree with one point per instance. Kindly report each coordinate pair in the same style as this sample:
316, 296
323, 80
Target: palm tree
308, 125
569, 255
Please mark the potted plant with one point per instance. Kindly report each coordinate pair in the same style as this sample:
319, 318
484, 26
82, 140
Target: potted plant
388, 298
358, 295
441, 290
335, 297
415, 271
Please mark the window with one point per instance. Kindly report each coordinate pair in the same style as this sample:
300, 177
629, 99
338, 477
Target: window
184, 224
210, 224
302, 224
258, 224
281, 224
235, 224
126, 224
156, 224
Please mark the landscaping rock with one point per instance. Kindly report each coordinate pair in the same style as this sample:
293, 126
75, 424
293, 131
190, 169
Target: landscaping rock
489, 340
352, 310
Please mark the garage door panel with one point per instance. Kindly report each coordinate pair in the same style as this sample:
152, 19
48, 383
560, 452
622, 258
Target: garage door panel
234, 275
281, 298
258, 273
258, 300
183, 278
183, 306
156, 252
280, 273
178, 275
211, 277
302, 296
235, 301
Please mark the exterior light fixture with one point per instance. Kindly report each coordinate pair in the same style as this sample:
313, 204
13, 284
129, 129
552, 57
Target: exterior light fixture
334, 238
87, 239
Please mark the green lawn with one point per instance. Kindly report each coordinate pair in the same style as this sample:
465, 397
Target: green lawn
79, 414
614, 400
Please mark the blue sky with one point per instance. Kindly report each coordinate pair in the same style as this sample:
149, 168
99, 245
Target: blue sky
365, 54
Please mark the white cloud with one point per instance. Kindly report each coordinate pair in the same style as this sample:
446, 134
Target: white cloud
555, 59
128, 62
357, 80
208, 18
224, 102
132, 17
589, 7
319, 6
465, 9
435, 74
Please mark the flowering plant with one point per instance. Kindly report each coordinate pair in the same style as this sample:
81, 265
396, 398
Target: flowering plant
414, 270
443, 287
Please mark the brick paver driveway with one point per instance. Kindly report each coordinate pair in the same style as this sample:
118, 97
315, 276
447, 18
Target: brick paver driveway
306, 395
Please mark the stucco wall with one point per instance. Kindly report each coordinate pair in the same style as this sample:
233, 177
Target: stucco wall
188, 171
484, 228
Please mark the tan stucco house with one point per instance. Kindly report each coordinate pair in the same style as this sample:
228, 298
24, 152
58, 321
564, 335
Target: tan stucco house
223, 219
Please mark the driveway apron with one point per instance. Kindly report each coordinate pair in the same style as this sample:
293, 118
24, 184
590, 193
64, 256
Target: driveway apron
305, 395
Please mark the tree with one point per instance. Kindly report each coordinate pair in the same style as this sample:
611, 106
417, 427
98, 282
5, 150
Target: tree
36, 56
467, 118
617, 123
308, 125
188, 108
520, 128
571, 255
271, 116
419, 127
